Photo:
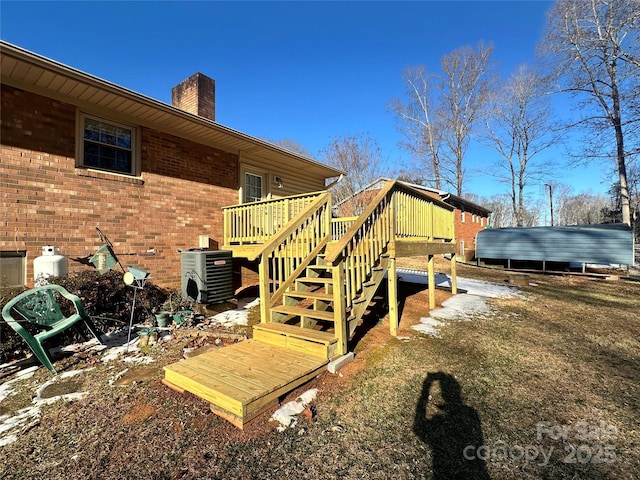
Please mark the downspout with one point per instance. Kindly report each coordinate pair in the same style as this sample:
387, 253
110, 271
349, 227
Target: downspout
335, 182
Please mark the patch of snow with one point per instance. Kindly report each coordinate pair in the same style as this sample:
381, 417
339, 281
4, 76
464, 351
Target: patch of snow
117, 376
286, 414
472, 286
429, 326
237, 316
73, 373
10, 423
460, 307
143, 359
65, 398
6, 389
38, 400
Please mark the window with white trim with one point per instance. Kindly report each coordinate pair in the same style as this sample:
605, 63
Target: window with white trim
252, 187
108, 145
462, 217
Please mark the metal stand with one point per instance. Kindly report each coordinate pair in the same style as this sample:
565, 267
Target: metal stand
138, 284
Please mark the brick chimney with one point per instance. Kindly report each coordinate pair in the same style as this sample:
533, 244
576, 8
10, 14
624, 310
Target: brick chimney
197, 95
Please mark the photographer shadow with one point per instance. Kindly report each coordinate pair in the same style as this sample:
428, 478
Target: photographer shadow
451, 428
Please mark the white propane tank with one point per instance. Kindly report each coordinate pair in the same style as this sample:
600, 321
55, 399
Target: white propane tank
49, 264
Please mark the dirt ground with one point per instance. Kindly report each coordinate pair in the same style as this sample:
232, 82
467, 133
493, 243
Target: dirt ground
567, 353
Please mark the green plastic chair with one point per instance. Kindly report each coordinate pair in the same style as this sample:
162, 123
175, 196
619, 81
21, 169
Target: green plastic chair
40, 307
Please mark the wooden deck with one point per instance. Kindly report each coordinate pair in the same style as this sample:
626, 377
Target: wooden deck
243, 380
317, 276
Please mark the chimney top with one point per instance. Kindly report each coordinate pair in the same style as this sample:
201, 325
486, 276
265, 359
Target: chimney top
197, 95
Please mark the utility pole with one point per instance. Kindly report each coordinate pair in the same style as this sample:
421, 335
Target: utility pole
550, 200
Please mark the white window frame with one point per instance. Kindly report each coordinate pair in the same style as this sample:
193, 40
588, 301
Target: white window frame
263, 186
135, 145
462, 216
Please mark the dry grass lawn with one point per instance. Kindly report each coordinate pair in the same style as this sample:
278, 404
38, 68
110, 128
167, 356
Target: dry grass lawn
548, 387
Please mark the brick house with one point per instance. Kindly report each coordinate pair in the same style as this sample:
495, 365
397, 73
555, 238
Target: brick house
78, 152
470, 218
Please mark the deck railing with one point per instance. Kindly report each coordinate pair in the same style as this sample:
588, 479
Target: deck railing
340, 226
395, 213
258, 222
290, 233
357, 252
285, 256
420, 216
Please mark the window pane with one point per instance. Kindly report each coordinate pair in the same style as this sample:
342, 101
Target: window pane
107, 134
253, 187
124, 138
108, 146
91, 129
123, 161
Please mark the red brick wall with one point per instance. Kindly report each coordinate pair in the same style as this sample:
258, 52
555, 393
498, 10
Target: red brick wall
46, 200
467, 231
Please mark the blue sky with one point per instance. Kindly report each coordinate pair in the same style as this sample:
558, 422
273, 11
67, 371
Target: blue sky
309, 71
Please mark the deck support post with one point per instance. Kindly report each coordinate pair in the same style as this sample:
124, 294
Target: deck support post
454, 275
432, 282
263, 272
393, 297
339, 308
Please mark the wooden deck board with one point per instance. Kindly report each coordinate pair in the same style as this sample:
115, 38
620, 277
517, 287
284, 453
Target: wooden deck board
303, 333
243, 379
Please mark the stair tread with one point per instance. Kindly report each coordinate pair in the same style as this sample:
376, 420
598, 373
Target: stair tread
320, 267
296, 331
312, 295
306, 312
315, 279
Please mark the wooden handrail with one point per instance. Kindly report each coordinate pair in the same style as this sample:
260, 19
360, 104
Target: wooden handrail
275, 200
285, 231
333, 251
285, 256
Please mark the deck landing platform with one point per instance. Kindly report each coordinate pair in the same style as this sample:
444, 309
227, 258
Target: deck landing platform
243, 380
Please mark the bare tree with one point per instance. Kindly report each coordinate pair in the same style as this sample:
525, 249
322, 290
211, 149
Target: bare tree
419, 122
519, 128
361, 158
441, 112
500, 207
595, 46
292, 146
581, 209
465, 94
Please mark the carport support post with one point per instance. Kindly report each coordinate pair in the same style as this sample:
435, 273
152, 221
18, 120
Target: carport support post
393, 297
454, 275
432, 282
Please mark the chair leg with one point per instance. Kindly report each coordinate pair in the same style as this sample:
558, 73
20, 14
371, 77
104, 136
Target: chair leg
83, 335
94, 331
41, 353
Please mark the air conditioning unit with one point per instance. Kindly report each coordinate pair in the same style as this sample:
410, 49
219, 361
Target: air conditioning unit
207, 275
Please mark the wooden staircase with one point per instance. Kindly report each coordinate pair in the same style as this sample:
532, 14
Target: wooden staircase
318, 276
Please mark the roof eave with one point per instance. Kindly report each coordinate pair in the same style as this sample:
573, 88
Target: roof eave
24, 69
